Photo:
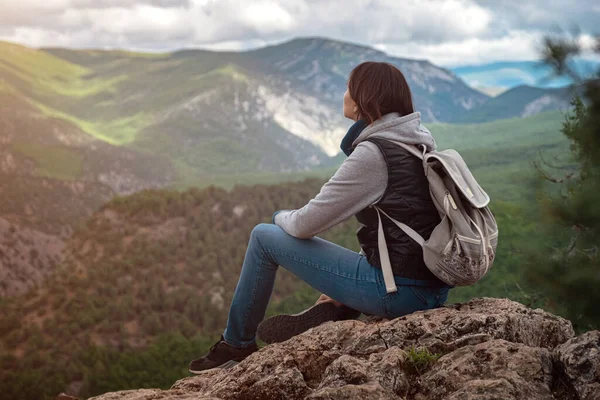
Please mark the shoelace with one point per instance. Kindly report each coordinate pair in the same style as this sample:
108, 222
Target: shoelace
214, 346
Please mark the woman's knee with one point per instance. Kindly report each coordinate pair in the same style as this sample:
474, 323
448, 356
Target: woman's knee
262, 232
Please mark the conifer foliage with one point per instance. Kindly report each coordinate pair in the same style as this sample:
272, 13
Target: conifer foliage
565, 265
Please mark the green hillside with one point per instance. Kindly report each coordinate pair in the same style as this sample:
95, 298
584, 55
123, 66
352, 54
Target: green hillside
499, 153
45, 118
139, 101
58, 162
60, 89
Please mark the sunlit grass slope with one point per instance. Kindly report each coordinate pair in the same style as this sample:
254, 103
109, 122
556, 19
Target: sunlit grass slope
56, 87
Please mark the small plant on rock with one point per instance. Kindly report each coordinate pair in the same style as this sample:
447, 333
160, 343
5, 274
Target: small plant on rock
419, 359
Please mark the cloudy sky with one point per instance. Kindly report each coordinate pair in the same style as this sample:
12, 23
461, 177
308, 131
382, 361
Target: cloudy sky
447, 32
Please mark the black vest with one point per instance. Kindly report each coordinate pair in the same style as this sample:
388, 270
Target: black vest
406, 199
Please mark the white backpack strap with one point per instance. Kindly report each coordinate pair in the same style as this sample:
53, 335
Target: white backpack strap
384, 257
414, 150
407, 229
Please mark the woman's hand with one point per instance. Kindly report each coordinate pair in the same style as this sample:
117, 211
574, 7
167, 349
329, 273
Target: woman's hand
327, 299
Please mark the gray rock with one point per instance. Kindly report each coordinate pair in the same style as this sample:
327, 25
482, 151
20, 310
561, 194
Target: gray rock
492, 348
496, 369
369, 391
579, 360
152, 394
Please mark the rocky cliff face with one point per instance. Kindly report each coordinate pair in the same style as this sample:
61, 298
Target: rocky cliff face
490, 349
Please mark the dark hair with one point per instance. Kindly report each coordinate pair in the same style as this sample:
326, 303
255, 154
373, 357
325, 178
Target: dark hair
379, 88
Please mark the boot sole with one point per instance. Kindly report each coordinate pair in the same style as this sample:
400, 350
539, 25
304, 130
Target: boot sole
225, 365
280, 328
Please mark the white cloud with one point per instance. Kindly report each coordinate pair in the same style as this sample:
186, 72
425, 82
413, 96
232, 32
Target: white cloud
543, 15
515, 46
235, 45
447, 32
267, 14
150, 21
588, 42
210, 21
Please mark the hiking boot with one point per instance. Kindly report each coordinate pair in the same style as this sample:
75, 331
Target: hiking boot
221, 355
279, 328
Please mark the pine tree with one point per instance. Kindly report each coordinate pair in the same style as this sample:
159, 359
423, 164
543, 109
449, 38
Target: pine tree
566, 265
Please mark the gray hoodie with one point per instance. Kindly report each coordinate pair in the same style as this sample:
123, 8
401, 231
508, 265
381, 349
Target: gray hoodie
360, 181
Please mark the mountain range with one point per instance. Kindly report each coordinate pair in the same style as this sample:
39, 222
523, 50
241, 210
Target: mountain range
501, 76
521, 101
272, 109
135, 120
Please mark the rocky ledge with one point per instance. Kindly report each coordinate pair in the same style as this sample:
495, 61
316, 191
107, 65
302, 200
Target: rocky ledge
483, 349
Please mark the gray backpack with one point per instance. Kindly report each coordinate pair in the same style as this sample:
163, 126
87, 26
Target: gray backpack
461, 248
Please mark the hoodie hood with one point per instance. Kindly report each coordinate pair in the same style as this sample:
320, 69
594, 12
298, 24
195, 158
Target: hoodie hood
405, 129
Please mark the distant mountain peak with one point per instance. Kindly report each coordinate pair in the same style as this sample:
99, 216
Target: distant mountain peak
333, 43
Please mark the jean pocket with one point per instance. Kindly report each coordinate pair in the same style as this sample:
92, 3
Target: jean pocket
388, 302
408, 299
420, 294
401, 302
442, 296
430, 296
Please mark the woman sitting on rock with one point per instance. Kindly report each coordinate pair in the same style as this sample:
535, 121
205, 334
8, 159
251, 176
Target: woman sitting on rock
377, 171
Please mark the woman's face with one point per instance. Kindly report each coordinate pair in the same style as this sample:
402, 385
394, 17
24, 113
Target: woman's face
350, 109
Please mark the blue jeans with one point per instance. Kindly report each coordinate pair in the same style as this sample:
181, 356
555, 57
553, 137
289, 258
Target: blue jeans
340, 273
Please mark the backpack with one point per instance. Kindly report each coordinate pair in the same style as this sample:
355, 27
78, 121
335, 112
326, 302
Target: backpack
462, 247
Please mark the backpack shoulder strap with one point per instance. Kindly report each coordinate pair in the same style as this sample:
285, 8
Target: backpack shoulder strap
405, 228
414, 150
384, 257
